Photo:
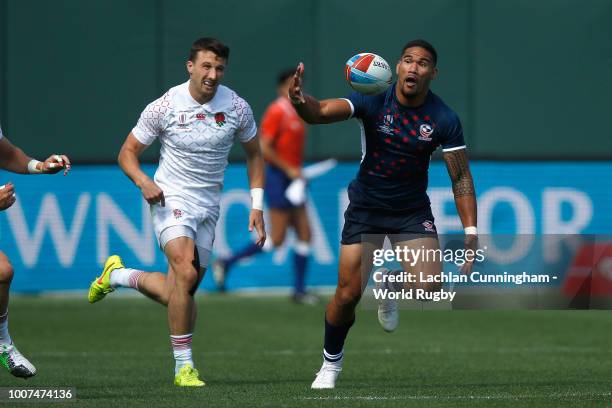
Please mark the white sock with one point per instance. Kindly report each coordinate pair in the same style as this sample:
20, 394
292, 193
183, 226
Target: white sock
181, 348
125, 277
5, 337
333, 359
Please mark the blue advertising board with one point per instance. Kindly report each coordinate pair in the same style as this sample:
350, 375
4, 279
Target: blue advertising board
61, 229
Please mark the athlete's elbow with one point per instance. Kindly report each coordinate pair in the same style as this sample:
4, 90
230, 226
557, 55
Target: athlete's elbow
464, 187
121, 157
124, 157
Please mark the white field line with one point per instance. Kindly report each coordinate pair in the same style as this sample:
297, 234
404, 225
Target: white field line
555, 395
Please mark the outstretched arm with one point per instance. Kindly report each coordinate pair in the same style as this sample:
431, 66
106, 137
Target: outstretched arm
255, 169
15, 160
312, 110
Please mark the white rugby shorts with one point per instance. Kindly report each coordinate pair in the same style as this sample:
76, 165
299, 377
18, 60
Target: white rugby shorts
180, 219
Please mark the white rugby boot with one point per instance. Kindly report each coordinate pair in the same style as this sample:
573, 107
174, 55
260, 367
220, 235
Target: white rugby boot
388, 315
15, 362
327, 375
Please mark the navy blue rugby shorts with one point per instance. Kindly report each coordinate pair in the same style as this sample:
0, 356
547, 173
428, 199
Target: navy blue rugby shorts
358, 221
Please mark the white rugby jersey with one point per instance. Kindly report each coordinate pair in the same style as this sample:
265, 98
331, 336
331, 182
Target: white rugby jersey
195, 140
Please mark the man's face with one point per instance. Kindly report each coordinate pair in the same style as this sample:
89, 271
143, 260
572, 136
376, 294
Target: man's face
206, 72
415, 70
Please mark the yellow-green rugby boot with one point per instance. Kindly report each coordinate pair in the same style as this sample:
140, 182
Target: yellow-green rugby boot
188, 377
100, 287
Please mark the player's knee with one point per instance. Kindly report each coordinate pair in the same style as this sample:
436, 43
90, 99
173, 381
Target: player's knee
347, 297
305, 235
6, 271
178, 260
184, 264
277, 240
186, 274
187, 278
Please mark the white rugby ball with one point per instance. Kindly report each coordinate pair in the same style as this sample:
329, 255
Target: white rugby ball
368, 73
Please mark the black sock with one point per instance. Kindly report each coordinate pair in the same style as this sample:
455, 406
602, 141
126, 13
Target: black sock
334, 341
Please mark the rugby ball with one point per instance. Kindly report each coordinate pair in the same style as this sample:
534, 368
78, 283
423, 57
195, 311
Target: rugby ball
368, 73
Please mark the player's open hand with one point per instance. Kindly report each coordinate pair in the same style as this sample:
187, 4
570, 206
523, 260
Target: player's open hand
152, 193
7, 196
55, 163
295, 88
471, 245
256, 221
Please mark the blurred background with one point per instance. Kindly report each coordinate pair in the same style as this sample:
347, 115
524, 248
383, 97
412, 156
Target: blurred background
530, 81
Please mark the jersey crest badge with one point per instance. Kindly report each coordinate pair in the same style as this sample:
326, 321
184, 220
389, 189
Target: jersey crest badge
425, 132
177, 213
220, 119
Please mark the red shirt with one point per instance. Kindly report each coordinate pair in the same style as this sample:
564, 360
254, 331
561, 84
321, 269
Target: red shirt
285, 130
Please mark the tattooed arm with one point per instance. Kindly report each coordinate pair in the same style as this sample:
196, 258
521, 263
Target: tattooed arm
463, 185
465, 199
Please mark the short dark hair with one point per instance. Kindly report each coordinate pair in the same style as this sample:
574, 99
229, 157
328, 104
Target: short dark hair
284, 75
423, 44
208, 44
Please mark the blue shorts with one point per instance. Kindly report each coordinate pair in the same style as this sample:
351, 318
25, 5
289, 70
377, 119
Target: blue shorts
358, 221
276, 185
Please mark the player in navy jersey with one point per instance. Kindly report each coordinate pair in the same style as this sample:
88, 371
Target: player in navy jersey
401, 128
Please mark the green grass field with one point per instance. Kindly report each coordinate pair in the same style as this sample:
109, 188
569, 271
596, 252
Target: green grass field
265, 352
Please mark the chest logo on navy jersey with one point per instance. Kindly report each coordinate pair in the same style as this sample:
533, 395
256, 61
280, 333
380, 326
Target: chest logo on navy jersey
425, 131
385, 127
220, 119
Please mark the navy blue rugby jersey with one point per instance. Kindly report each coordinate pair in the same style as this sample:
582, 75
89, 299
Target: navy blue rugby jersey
397, 143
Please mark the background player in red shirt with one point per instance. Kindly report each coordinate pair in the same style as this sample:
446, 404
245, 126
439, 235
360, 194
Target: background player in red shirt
282, 136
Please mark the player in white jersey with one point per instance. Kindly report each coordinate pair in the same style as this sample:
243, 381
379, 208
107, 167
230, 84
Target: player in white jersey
196, 123
15, 160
